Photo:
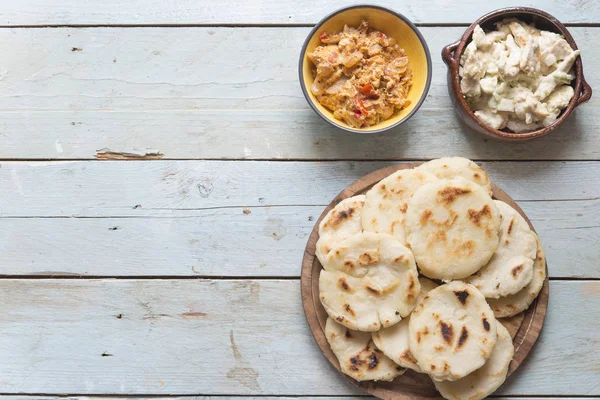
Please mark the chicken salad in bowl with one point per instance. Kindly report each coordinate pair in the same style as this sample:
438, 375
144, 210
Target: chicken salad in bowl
517, 77
515, 74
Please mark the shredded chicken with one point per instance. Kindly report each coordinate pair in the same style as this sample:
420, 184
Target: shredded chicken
517, 77
361, 75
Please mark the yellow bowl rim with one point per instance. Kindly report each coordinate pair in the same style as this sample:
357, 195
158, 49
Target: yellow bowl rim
330, 120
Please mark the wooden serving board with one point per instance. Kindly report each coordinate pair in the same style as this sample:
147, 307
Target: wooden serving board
524, 327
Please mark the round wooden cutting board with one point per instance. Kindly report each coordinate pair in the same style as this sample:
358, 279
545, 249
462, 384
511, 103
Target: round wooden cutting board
524, 327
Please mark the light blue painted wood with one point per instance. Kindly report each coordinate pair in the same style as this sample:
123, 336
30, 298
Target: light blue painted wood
159, 188
220, 93
228, 337
216, 218
227, 93
42, 12
267, 241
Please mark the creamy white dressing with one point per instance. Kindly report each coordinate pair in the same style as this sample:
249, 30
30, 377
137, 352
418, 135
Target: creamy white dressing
517, 77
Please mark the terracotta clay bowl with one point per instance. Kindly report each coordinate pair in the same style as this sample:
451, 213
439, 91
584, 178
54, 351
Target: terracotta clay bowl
452, 53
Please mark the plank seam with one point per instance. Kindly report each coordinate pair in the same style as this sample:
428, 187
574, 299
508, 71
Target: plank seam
75, 276
243, 206
320, 160
241, 396
250, 25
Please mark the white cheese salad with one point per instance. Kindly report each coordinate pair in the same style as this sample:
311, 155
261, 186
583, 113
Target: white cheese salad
517, 77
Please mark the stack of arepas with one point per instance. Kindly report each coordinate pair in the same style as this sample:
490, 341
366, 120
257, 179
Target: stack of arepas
416, 271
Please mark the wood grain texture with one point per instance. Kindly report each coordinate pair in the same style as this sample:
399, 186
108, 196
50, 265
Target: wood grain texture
240, 241
145, 90
71, 93
361, 397
238, 397
228, 337
241, 397
39, 12
267, 241
132, 188
214, 218
524, 327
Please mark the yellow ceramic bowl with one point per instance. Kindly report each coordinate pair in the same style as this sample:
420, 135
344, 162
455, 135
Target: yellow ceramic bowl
393, 25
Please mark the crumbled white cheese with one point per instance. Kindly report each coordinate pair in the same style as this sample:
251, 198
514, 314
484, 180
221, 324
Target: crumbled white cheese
518, 76
506, 105
488, 84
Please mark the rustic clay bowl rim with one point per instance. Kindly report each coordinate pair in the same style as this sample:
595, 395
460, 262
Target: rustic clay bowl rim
451, 55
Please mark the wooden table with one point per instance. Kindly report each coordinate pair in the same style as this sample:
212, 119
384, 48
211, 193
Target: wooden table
173, 269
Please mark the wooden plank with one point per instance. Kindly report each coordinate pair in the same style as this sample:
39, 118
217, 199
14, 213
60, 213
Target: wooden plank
218, 218
160, 69
116, 69
129, 188
238, 397
223, 242
258, 241
358, 397
156, 90
227, 337
277, 134
39, 12
104, 397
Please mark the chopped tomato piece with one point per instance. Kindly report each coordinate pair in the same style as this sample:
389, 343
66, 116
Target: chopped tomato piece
323, 35
361, 106
360, 111
367, 90
382, 35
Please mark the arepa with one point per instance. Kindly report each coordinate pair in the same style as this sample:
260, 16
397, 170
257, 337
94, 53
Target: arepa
369, 281
386, 202
452, 167
511, 267
452, 332
339, 223
514, 304
484, 381
393, 341
452, 228
358, 356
